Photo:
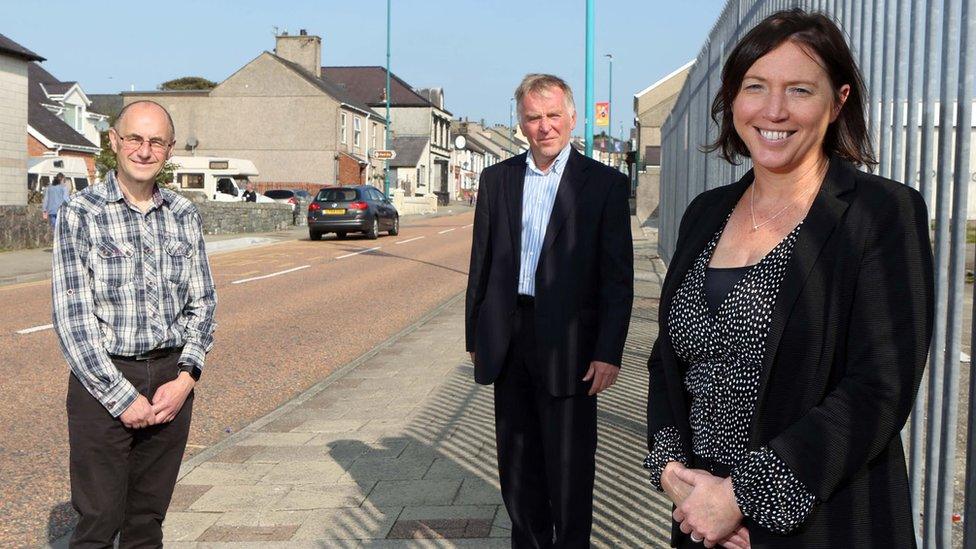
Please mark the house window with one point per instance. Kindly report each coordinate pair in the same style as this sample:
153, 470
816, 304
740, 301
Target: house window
342, 127
71, 115
356, 131
375, 131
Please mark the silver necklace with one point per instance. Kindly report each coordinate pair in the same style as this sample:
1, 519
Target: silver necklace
752, 210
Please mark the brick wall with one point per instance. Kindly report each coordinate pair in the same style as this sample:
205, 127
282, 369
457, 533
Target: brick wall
35, 147
349, 172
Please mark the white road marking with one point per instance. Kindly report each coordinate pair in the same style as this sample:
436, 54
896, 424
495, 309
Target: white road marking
270, 275
408, 240
35, 329
466, 226
359, 252
447, 230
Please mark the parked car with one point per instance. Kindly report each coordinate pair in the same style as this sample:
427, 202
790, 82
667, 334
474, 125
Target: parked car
343, 210
285, 196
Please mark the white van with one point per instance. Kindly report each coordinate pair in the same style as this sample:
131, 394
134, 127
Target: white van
221, 179
42, 169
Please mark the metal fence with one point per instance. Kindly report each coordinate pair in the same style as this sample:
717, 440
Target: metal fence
916, 55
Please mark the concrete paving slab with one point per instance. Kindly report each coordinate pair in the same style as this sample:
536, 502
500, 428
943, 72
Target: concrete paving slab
323, 496
187, 526
326, 471
239, 498
414, 492
361, 523
227, 474
276, 439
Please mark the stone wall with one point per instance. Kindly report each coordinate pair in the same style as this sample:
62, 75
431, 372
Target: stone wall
23, 227
245, 217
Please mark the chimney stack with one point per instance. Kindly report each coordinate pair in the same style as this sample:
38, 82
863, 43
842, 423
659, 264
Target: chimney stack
304, 50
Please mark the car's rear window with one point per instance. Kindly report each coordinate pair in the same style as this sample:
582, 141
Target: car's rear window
279, 194
337, 195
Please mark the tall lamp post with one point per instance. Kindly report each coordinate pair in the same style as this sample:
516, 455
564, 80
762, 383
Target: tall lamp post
386, 140
589, 106
511, 122
610, 145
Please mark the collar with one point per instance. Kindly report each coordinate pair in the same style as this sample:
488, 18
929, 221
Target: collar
557, 165
113, 193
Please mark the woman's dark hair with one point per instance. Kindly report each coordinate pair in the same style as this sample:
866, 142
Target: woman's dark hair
847, 137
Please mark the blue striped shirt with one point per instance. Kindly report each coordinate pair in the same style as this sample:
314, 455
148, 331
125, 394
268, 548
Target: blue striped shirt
538, 196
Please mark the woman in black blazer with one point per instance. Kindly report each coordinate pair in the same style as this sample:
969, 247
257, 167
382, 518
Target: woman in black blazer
795, 317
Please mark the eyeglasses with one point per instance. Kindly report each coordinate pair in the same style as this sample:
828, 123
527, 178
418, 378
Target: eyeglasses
135, 142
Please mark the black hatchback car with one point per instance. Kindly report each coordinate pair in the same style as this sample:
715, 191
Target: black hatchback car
343, 210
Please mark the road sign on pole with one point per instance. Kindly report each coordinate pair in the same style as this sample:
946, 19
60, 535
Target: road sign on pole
383, 155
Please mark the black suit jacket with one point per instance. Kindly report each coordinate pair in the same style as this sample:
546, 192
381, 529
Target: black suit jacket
844, 356
584, 283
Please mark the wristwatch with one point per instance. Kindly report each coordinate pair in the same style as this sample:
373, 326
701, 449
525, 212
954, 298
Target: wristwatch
192, 370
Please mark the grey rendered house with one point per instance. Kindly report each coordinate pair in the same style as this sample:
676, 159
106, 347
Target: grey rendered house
298, 127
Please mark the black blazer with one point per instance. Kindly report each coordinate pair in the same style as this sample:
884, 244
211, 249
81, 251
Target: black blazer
584, 283
844, 357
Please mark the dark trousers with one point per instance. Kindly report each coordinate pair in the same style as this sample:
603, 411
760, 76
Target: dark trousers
122, 479
546, 450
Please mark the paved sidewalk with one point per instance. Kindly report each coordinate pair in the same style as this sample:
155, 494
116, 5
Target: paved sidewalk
397, 449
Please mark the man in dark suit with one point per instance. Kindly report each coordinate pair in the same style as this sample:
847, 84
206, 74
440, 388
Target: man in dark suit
549, 296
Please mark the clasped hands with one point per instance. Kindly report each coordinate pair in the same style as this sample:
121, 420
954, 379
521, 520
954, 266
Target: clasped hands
705, 506
166, 403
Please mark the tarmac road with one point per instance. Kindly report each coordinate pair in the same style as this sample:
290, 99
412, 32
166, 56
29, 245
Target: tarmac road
323, 304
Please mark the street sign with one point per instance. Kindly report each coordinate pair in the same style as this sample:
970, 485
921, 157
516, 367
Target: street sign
383, 155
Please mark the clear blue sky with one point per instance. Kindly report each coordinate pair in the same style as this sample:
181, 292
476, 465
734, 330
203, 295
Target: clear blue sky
476, 50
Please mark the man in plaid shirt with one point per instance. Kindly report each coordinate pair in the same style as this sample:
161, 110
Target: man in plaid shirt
134, 312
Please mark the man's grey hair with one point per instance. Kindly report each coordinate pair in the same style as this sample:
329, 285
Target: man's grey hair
539, 83
118, 119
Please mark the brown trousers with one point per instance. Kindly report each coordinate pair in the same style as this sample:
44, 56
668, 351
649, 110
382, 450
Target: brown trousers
122, 479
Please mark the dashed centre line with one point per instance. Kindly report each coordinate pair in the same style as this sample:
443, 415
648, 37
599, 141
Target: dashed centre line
359, 252
242, 281
447, 230
26, 331
409, 240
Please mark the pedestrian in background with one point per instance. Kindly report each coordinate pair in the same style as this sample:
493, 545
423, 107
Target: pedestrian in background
134, 312
249, 195
795, 317
548, 305
55, 194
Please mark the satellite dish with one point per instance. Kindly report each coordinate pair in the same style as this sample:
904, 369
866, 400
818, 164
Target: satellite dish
192, 143
459, 142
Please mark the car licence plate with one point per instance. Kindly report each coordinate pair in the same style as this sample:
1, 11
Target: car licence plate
333, 212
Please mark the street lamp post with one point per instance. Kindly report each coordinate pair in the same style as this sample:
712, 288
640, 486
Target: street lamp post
610, 146
511, 117
386, 140
588, 107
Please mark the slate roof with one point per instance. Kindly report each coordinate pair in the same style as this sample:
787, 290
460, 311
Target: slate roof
109, 104
329, 86
369, 84
408, 151
10, 47
43, 120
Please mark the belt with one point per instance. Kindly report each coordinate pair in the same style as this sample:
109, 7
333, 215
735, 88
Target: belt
149, 355
525, 300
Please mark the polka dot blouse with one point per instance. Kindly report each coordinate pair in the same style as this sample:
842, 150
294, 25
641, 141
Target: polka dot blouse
724, 353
